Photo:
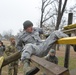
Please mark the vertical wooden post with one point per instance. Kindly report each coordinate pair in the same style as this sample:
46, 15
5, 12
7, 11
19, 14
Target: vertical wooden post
67, 52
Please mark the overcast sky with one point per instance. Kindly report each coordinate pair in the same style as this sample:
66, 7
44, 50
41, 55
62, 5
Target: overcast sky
14, 12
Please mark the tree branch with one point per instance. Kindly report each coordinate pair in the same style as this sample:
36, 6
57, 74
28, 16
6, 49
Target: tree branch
59, 15
63, 7
47, 13
48, 3
48, 17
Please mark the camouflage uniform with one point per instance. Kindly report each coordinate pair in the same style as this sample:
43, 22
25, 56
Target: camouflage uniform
30, 43
2, 49
33, 45
52, 59
12, 67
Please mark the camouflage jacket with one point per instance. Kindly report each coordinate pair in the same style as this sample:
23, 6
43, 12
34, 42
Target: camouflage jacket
10, 50
53, 59
25, 38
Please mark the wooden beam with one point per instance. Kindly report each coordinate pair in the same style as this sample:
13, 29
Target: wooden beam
11, 58
67, 40
48, 67
71, 26
69, 31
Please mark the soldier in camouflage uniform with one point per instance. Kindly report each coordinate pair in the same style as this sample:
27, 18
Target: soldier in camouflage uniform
2, 48
51, 57
12, 67
29, 42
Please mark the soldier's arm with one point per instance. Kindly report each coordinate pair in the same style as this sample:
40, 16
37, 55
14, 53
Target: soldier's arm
19, 45
46, 57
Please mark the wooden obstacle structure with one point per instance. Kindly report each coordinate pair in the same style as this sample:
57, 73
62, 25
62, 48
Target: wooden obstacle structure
42, 64
48, 67
71, 26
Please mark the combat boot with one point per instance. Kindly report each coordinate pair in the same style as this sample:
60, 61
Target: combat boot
32, 71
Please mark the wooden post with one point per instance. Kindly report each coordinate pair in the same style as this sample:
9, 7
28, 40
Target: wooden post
67, 52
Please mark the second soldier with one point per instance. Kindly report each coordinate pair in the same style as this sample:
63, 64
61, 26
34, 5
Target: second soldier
11, 49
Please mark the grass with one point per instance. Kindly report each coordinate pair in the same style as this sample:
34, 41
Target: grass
72, 62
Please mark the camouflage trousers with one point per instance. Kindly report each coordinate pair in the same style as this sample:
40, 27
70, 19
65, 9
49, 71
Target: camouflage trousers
26, 66
13, 68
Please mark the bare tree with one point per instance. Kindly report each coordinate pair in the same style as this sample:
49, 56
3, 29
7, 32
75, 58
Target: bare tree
17, 35
45, 10
56, 9
52, 9
61, 10
8, 34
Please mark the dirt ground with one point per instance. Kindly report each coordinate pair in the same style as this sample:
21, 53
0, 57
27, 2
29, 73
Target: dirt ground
62, 50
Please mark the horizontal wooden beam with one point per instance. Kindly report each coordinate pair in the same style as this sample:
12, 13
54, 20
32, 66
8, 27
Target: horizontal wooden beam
71, 26
67, 40
48, 67
69, 31
11, 58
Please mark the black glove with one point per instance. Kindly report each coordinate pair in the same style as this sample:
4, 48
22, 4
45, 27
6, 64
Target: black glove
33, 71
